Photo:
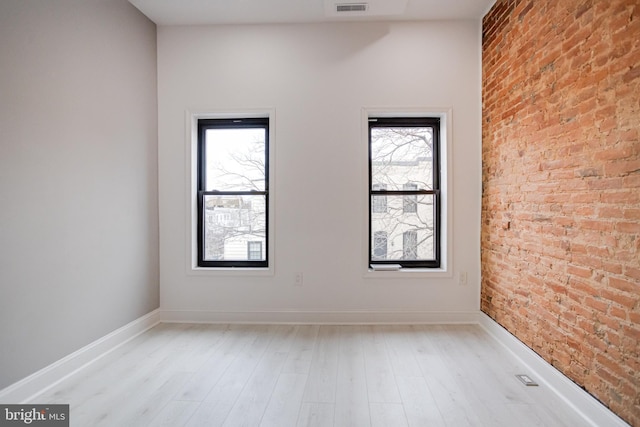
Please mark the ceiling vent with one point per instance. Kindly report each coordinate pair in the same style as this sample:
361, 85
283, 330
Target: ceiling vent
351, 7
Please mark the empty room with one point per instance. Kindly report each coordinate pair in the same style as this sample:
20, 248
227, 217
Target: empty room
320, 213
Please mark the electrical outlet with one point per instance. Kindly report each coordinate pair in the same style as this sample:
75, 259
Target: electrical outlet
462, 278
298, 279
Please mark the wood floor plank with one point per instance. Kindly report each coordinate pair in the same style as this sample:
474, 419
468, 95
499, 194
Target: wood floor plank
419, 405
201, 375
316, 415
387, 414
398, 339
141, 408
175, 413
381, 381
284, 406
215, 408
352, 397
116, 391
252, 402
204, 379
352, 414
301, 353
452, 404
323, 371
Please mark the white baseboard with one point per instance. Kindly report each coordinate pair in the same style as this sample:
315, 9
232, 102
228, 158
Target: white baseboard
319, 317
30, 387
594, 412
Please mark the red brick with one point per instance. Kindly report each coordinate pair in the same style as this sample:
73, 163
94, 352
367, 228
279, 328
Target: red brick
633, 73
628, 227
595, 225
605, 184
632, 214
610, 212
579, 271
632, 331
596, 304
633, 273
618, 312
621, 197
624, 300
624, 285
613, 153
622, 167
612, 267
582, 286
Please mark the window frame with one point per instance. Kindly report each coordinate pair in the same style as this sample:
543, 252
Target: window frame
229, 122
435, 122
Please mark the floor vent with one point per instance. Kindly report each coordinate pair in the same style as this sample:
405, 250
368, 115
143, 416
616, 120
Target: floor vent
526, 380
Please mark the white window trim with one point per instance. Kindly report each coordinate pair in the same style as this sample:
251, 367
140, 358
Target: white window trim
446, 167
191, 167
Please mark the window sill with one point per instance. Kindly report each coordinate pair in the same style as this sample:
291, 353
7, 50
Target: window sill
407, 273
230, 271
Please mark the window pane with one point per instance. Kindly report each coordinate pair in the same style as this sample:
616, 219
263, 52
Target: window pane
410, 244
230, 224
255, 251
379, 245
379, 202
235, 159
410, 200
408, 235
400, 155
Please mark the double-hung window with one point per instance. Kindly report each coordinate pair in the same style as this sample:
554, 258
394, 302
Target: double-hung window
404, 177
233, 192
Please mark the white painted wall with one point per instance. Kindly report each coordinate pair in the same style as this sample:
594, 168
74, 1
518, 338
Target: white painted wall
78, 176
318, 78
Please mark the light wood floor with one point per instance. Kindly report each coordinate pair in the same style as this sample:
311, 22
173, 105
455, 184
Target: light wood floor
308, 375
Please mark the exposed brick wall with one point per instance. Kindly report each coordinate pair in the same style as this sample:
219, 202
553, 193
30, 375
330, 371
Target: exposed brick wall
561, 187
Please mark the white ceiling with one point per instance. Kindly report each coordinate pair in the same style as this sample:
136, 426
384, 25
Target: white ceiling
199, 12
